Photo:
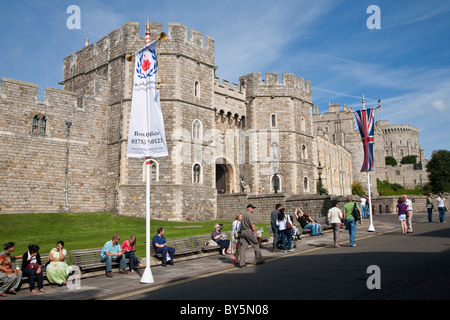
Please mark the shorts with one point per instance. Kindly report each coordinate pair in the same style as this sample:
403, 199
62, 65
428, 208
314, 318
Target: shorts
401, 217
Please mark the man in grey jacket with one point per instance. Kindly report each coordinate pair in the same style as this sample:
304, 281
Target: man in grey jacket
273, 224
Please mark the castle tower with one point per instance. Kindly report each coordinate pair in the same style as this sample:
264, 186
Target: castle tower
279, 135
186, 70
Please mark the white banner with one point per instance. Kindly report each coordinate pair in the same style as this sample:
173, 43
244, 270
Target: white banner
146, 136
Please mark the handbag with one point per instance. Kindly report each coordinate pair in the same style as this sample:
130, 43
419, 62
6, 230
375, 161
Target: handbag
33, 266
288, 224
356, 214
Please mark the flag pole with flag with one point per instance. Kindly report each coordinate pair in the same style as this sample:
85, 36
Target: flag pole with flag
146, 135
366, 125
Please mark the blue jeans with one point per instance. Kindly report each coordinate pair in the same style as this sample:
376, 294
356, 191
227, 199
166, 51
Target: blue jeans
364, 212
109, 259
132, 260
286, 233
276, 235
441, 214
351, 227
164, 251
430, 214
314, 227
31, 274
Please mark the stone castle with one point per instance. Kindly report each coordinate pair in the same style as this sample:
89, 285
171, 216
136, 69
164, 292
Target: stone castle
67, 151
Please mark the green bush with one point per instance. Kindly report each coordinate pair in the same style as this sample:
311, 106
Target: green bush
408, 160
390, 161
357, 188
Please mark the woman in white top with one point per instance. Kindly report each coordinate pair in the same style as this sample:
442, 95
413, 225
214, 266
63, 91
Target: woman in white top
441, 207
284, 230
334, 217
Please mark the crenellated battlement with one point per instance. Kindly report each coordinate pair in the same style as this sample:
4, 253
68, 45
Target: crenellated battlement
224, 89
96, 56
290, 85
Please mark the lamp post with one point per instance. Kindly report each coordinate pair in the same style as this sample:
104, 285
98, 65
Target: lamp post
66, 188
319, 171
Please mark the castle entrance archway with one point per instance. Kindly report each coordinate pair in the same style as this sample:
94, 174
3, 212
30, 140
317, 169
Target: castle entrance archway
224, 176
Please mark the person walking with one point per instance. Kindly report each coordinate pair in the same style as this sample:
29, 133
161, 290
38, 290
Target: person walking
430, 207
275, 230
409, 213
249, 236
350, 220
364, 207
335, 216
401, 210
441, 207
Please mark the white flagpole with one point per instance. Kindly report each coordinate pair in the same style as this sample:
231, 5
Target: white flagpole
147, 277
371, 227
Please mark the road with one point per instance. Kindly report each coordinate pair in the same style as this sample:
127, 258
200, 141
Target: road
407, 267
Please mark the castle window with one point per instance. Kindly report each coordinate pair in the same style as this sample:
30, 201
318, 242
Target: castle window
197, 173
305, 184
273, 121
35, 124
39, 124
43, 124
154, 171
197, 89
197, 129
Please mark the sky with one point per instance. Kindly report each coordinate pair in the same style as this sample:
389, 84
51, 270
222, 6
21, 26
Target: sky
399, 53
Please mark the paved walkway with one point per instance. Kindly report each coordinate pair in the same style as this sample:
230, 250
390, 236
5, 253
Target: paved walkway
120, 285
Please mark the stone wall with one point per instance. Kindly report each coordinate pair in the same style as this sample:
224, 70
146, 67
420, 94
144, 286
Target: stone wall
33, 162
315, 205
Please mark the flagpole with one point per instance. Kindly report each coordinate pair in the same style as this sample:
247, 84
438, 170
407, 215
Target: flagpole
371, 228
147, 277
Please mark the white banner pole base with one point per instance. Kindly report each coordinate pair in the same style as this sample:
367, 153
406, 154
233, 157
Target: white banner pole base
147, 277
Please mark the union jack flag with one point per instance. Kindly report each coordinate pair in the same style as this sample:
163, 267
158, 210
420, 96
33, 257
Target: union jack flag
365, 121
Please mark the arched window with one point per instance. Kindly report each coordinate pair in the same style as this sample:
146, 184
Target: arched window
197, 129
273, 120
39, 124
35, 124
196, 89
197, 173
154, 171
43, 124
305, 184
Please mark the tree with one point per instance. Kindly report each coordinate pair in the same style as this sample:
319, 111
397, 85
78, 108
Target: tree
438, 169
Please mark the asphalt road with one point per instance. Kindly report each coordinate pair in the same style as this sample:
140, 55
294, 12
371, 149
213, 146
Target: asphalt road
407, 267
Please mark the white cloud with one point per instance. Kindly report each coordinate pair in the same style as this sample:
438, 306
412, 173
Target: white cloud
439, 105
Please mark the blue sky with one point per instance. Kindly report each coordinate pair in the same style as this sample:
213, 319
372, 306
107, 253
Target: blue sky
406, 62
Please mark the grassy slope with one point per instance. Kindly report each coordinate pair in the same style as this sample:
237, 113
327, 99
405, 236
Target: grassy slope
90, 230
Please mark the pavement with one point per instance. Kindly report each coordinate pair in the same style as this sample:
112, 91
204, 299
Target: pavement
123, 286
